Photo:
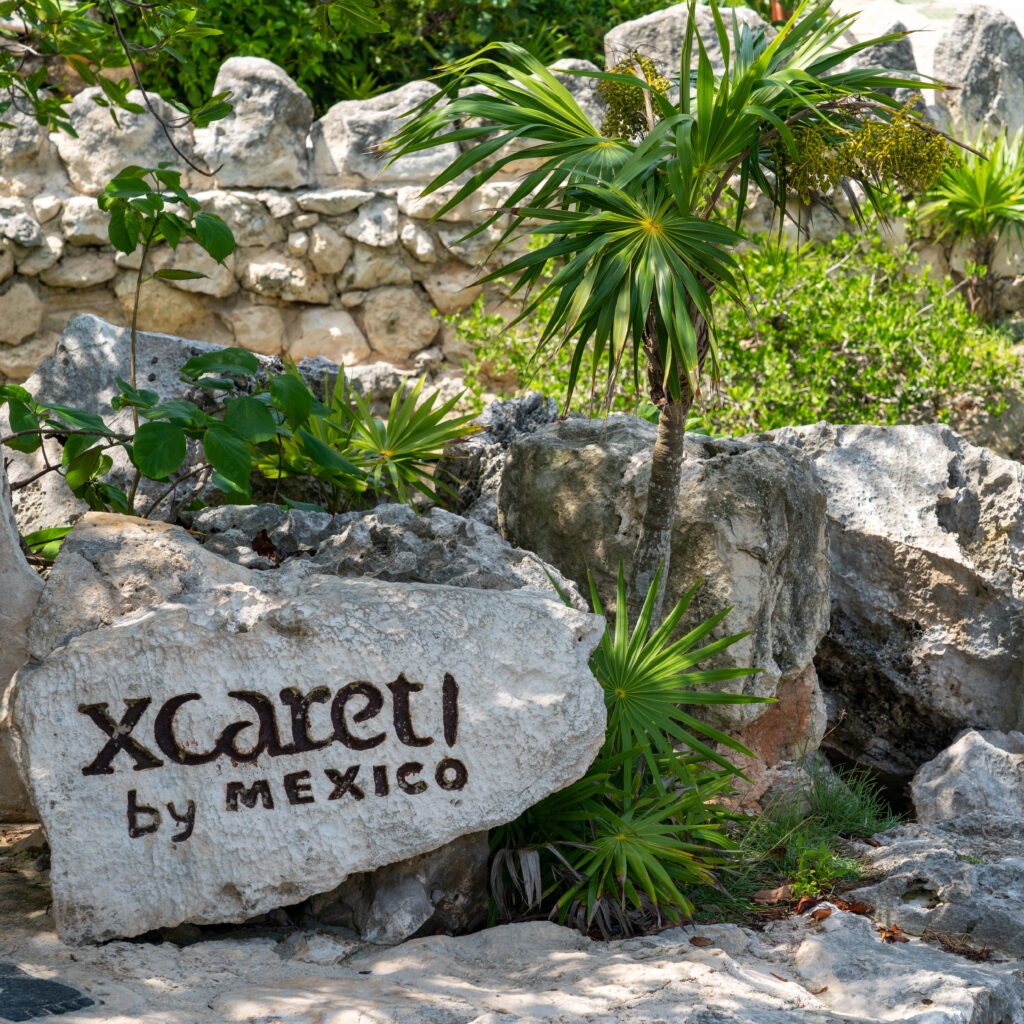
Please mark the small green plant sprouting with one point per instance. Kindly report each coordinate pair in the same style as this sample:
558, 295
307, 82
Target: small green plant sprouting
979, 202
622, 845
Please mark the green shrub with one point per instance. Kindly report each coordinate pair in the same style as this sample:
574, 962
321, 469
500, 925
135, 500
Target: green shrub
422, 34
620, 846
852, 331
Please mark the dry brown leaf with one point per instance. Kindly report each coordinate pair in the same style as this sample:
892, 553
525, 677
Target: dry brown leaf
824, 988
892, 934
774, 975
857, 907
702, 941
872, 842
806, 902
821, 913
766, 897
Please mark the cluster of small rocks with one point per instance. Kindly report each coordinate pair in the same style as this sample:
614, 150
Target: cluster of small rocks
337, 253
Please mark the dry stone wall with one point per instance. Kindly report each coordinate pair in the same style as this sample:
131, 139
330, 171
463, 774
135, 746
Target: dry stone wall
337, 254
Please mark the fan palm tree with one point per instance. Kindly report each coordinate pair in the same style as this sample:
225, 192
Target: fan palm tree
625, 213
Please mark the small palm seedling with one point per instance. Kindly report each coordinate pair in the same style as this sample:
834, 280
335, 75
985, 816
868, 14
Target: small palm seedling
979, 201
618, 848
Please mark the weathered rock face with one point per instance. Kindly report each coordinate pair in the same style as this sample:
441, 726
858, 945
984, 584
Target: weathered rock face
750, 523
981, 773
444, 890
982, 57
20, 588
390, 543
102, 148
926, 534
473, 468
285, 729
263, 140
660, 36
963, 876
347, 141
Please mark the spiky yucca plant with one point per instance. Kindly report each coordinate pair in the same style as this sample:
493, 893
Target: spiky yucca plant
622, 843
629, 222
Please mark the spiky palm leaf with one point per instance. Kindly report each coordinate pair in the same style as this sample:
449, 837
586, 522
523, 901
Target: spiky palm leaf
628, 220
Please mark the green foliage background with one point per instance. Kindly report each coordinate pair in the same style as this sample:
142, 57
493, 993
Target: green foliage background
422, 34
852, 331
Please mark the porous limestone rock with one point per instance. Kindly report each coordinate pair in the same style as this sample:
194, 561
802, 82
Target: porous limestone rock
961, 877
981, 55
331, 333
185, 652
263, 140
376, 224
83, 222
328, 250
660, 36
103, 147
20, 588
41, 257
333, 201
273, 273
750, 524
160, 305
926, 539
80, 270
21, 312
18, 361
391, 543
348, 141
258, 329
17, 223
444, 890
472, 468
250, 220
982, 772
373, 268
398, 322
453, 287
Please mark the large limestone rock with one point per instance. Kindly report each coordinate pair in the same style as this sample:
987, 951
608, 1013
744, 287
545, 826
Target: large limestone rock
263, 140
981, 56
926, 534
750, 523
660, 36
348, 141
983, 772
20, 588
102, 148
962, 876
178, 781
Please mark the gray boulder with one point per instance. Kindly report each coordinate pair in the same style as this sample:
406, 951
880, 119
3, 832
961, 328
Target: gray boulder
102, 148
660, 36
981, 56
443, 890
473, 467
20, 588
750, 524
981, 773
348, 142
263, 140
962, 877
926, 534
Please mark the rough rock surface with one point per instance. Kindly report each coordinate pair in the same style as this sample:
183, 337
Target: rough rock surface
750, 524
962, 877
793, 972
473, 468
443, 890
102, 148
391, 543
20, 588
982, 772
926, 535
217, 828
982, 56
263, 140
348, 140
660, 36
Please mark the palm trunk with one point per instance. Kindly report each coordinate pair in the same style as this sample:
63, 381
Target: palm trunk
654, 548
